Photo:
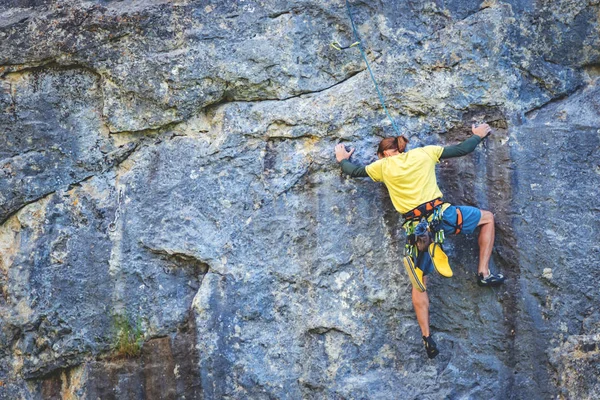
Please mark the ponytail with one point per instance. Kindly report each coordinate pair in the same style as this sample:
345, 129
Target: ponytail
401, 141
391, 143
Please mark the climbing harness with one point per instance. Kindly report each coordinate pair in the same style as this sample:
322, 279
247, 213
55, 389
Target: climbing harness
420, 215
424, 234
358, 43
459, 221
423, 209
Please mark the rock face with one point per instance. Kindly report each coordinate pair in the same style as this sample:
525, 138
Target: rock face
170, 164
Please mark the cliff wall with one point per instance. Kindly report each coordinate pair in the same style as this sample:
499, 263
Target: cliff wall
167, 170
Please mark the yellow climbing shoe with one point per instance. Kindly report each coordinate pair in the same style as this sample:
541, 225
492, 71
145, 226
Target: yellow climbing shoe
440, 260
414, 274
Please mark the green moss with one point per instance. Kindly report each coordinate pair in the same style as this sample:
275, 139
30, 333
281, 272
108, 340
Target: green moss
129, 337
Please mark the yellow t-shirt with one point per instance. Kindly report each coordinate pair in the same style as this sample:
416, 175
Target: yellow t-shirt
409, 177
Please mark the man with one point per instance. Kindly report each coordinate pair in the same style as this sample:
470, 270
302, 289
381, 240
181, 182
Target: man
411, 181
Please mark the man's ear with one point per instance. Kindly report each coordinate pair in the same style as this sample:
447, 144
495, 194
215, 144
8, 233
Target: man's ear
388, 153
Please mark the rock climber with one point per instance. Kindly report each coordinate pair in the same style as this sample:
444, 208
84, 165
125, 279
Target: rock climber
411, 182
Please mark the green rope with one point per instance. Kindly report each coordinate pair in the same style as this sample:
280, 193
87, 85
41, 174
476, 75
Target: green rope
360, 47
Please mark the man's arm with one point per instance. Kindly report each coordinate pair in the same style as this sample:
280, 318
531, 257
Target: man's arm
355, 171
342, 156
464, 148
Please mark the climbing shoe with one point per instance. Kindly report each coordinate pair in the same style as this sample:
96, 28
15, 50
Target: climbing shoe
440, 260
430, 346
491, 280
415, 274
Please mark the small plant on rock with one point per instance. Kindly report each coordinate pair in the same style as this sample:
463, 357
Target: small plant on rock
129, 337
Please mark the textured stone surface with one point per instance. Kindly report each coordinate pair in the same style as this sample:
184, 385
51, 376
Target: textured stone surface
171, 162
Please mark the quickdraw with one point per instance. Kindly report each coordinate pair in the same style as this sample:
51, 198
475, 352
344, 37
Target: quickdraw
113, 225
431, 209
336, 45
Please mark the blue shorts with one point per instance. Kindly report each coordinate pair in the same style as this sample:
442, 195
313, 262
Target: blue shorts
471, 217
424, 263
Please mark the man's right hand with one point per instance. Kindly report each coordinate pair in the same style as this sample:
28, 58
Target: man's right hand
341, 153
481, 130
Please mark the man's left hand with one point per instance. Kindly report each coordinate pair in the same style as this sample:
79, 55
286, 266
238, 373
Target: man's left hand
341, 153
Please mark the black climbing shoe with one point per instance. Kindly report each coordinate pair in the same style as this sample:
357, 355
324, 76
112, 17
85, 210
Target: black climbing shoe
491, 280
430, 347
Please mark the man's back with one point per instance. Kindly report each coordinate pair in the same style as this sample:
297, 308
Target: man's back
409, 177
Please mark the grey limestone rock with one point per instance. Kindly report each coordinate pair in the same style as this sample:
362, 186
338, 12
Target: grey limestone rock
170, 164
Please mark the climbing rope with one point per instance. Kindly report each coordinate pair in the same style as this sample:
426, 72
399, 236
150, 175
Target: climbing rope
364, 56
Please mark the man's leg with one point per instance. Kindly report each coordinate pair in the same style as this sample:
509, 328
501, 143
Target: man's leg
487, 234
471, 219
421, 304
